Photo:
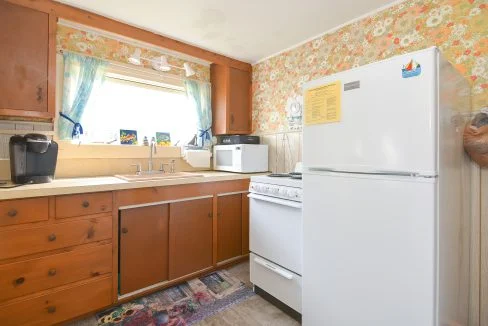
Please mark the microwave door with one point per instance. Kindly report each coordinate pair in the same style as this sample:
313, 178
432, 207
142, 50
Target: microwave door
224, 158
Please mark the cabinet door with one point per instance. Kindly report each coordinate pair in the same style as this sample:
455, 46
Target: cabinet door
24, 52
239, 101
229, 232
190, 237
143, 247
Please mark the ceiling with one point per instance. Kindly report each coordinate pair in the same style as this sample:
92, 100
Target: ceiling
245, 30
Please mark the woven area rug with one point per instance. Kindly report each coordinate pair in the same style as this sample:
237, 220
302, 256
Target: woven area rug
184, 304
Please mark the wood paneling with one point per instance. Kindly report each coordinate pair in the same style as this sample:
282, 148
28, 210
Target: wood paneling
245, 224
143, 247
83, 204
157, 194
26, 277
58, 305
15, 243
229, 227
190, 237
21, 211
110, 25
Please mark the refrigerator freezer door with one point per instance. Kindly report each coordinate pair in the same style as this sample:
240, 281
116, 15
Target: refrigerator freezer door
387, 124
369, 250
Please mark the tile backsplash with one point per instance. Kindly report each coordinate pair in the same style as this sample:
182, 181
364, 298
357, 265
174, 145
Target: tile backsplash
10, 128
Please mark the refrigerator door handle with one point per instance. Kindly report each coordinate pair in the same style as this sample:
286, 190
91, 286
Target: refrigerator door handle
374, 172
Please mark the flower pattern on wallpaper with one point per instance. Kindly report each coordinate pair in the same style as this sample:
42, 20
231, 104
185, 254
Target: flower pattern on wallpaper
458, 27
97, 45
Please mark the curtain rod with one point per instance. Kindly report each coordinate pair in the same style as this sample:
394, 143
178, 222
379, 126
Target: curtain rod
141, 70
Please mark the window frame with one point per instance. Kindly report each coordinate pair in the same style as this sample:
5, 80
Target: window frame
74, 149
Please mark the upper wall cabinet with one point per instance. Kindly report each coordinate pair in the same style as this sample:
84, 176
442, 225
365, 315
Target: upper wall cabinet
27, 62
231, 100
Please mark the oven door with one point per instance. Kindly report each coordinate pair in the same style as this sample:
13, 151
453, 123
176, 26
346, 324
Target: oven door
276, 230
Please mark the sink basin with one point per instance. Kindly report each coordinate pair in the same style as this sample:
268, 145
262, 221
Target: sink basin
158, 176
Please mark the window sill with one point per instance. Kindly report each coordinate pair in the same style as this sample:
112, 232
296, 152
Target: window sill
68, 150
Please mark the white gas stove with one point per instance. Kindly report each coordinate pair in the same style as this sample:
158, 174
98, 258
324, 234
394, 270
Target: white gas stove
276, 237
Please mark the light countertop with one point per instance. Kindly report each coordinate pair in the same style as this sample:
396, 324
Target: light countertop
95, 184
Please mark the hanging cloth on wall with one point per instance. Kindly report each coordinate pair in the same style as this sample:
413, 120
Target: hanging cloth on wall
81, 75
199, 95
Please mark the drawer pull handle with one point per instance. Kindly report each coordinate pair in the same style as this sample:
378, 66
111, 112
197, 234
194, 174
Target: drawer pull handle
51, 309
12, 213
90, 233
125, 230
52, 272
20, 281
85, 204
210, 215
273, 269
51, 237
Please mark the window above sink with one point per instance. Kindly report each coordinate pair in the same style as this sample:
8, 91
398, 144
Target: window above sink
134, 99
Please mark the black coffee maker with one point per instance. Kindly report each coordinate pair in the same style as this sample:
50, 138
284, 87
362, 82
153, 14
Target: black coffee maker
32, 158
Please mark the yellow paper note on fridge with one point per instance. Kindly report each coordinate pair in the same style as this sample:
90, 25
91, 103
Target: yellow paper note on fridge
323, 104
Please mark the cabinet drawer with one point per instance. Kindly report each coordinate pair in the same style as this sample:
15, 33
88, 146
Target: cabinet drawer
284, 285
83, 204
26, 277
60, 305
23, 211
15, 243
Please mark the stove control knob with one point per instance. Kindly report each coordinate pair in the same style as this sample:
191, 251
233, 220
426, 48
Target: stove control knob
256, 187
282, 192
292, 193
275, 190
299, 195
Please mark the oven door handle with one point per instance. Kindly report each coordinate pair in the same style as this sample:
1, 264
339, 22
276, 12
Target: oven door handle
282, 273
278, 201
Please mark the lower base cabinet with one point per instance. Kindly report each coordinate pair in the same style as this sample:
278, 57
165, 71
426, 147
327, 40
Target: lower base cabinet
58, 305
143, 247
190, 236
229, 226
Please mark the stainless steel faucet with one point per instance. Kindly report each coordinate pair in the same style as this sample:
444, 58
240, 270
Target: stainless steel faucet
152, 147
171, 166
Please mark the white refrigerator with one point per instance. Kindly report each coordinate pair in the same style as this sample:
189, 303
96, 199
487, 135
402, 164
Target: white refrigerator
385, 197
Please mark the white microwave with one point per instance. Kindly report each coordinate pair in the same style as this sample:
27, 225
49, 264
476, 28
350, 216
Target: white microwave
242, 158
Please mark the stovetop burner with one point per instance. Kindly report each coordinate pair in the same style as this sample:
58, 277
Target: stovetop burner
293, 175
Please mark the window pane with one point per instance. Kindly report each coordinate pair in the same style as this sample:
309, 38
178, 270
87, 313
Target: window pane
135, 106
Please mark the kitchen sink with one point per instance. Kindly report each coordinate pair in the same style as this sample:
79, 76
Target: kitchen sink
158, 176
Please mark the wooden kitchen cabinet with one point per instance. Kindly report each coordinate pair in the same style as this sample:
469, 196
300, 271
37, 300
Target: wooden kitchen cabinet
27, 62
231, 100
229, 226
143, 247
190, 236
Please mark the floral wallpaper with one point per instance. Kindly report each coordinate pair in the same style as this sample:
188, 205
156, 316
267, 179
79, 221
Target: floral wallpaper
97, 45
458, 27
